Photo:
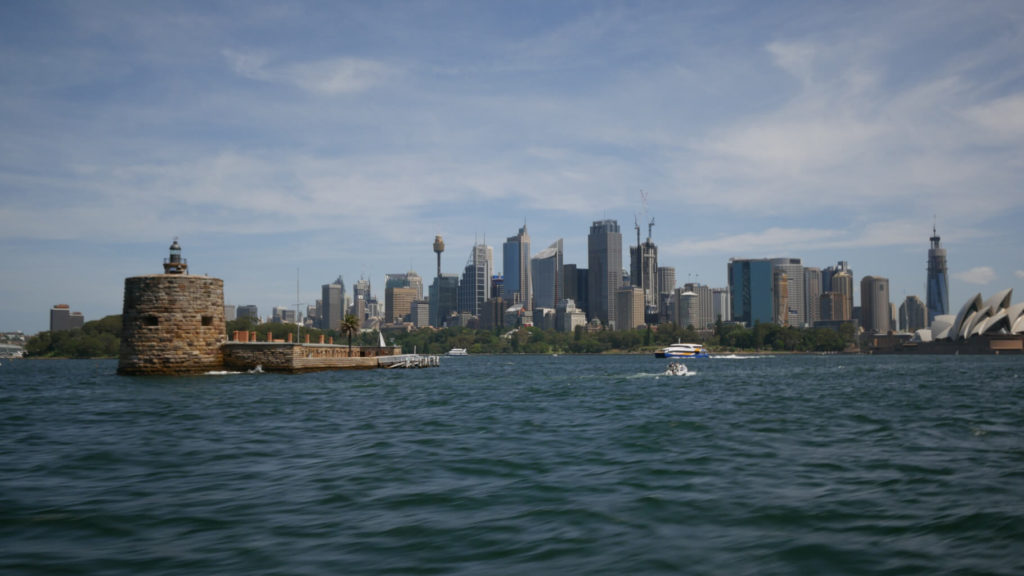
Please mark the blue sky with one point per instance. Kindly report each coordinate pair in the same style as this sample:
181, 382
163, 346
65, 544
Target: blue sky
338, 138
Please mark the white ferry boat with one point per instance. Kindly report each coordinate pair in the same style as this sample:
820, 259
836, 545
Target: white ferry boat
458, 352
681, 350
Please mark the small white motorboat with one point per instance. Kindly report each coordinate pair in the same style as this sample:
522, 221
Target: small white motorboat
676, 369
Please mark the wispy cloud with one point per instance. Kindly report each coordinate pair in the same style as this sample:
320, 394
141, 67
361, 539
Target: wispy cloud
981, 275
343, 75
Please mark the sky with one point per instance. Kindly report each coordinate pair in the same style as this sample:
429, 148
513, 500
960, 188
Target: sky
285, 143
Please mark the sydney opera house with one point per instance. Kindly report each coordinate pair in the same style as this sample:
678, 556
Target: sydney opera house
990, 326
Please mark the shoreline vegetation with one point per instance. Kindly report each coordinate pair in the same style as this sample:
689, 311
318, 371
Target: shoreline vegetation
101, 339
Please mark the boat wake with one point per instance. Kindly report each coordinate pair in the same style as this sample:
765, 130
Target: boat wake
657, 375
737, 357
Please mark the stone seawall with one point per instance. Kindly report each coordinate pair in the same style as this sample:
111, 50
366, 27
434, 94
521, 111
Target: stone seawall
295, 358
172, 324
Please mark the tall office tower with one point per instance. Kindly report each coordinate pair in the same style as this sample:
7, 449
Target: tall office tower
874, 304
704, 315
283, 314
333, 304
938, 284
62, 318
812, 295
249, 311
604, 272
398, 303
229, 312
913, 314
780, 297
583, 289
687, 308
721, 308
643, 269
444, 299
361, 297
666, 286
570, 283
828, 273
419, 314
751, 290
497, 286
400, 290
546, 271
830, 306
475, 288
842, 283
794, 306
629, 308
666, 279
518, 286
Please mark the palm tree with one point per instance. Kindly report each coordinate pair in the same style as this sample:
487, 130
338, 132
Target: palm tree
349, 327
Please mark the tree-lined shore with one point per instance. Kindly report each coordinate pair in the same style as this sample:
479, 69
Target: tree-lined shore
101, 339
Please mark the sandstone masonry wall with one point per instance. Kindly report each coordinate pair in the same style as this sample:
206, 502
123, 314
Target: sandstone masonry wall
172, 324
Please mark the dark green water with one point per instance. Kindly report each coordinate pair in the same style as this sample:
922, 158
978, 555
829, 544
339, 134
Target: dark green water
518, 465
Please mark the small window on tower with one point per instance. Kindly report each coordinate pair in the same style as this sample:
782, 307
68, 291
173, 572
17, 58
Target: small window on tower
207, 320
150, 320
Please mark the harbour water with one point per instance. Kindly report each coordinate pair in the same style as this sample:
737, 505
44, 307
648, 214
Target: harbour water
519, 464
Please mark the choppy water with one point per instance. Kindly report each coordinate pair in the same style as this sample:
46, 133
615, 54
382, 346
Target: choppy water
513, 465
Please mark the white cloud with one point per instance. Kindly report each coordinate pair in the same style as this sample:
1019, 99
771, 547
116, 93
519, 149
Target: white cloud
330, 77
1003, 117
795, 58
767, 243
1019, 274
979, 275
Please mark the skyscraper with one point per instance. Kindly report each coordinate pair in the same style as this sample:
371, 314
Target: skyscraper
795, 313
687, 308
333, 304
704, 315
913, 315
721, 310
400, 290
629, 308
938, 284
837, 293
604, 266
444, 298
643, 269
780, 297
812, 295
666, 287
874, 304
546, 270
751, 290
361, 299
518, 286
62, 318
475, 288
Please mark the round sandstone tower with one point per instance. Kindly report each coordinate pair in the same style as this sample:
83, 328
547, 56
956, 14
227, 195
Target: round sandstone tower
172, 323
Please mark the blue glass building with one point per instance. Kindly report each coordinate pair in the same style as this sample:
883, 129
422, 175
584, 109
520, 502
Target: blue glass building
750, 287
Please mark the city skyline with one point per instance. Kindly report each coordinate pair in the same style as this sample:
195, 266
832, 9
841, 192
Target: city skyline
339, 140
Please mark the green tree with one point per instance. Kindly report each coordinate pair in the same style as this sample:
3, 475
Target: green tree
350, 327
